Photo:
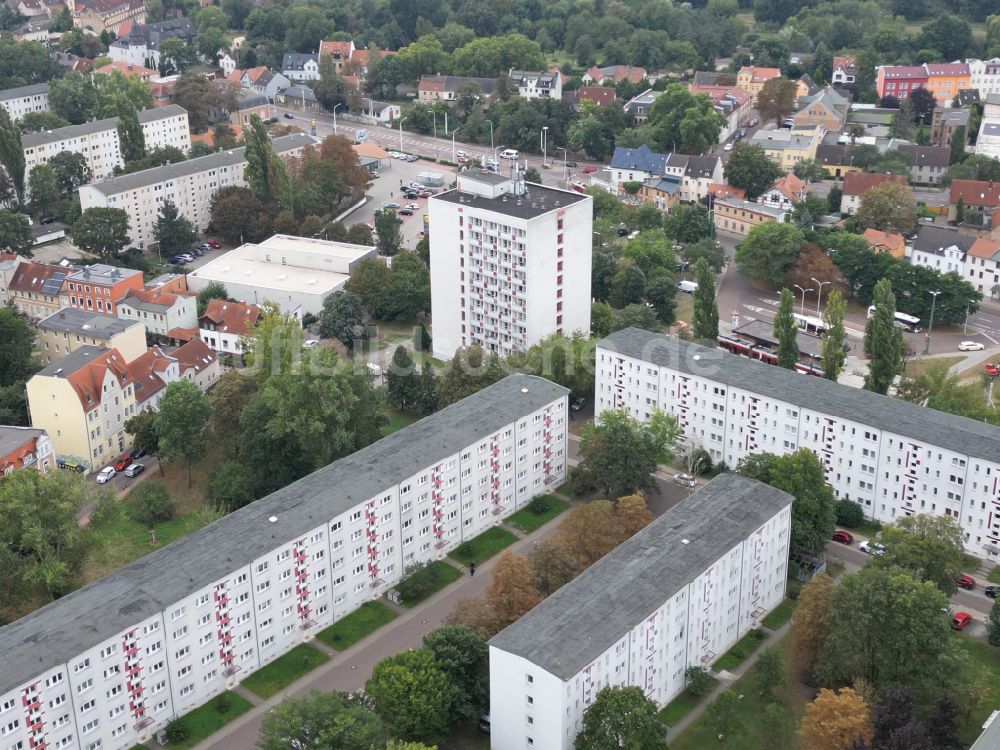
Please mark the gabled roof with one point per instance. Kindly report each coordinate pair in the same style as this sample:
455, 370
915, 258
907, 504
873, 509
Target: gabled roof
927, 156
230, 317
893, 72
454, 83
760, 75
859, 183
297, 60
700, 167
541, 79
975, 192
791, 187
894, 244
16, 443
127, 69
946, 69
339, 50
22, 91
151, 35
148, 371
642, 159
722, 190
38, 278
935, 240
985, 248
599, 95
153, 300
619, 73
845, 63
195, 355
832, 153
85, 370
85, 323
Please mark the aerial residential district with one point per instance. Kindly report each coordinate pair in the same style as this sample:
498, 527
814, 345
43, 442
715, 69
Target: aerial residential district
423, 375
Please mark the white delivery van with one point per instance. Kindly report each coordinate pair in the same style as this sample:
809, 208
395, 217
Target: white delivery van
508, 153
688, 287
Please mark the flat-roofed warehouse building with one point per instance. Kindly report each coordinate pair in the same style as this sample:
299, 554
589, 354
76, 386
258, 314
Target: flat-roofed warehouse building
678, 594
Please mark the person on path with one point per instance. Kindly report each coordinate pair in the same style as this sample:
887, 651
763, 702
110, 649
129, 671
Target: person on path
472, 569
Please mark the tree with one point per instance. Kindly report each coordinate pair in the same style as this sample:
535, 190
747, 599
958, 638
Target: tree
102, 232
688, 223
212, 290
229, 487
833, 199
722, 713
929, 547
619, 454
265, 173
621, 717
427, 400
238, 217
322, 720
682, 121
708, 249
889, 207
15, 233
768, 250
408, 293
43, 189
342, 318
142, 428
835, 721
892, 716
463, 656
860, 267
811, 170
511, 592
180, 423
883, 340
402, 380
832, 346
650, 251
801, 475
71, 172
469, 371
948, 34
769, 673
785, 331
130, 137
776, 99
369, 282
661, 293
943, 724
958, 141
35, 122
921, 653
150, 504
12, 154
387, 229
413, 695
274, 344
175, 233
922, 105
230, 397
705, 316
628, 286
811, 623
749, 168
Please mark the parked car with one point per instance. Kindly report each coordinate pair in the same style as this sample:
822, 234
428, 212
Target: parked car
412, 157
48, 220
137, 453
508, 153
728, 146
288, 116
123, 461
310, 344
188, 257
195, 252
406, 211
992, 369
685, 479
966, 582
589, 169
391, 204
871, 548
992, 591
177, 261
571, 164
426, 193
135, 470
578, 403
484, 723
961, 620
106, 474
844, 537
204, 247
461, 153
970, 346
213, 244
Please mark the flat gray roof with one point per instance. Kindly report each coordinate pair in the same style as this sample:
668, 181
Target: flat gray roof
12, 438
961, 434
763, 330
30, 90
30, 140
85, 323
56, 633
583, 619
536, 201
156, 175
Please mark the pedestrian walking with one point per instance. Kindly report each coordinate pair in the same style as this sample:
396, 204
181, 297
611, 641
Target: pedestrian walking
472, 569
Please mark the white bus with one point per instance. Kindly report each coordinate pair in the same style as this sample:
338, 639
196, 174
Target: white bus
810, 325
904, 321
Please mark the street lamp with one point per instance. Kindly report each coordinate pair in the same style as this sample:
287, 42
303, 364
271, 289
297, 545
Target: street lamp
335, 117
565, 164
803, 308
435, 116
820, 295
491, 135
930, 325
401, 133
545, 144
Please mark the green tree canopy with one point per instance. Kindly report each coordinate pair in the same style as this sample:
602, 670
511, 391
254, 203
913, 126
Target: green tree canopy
832, 345
342, 318
468, 372
462, 655
883, 340
768, 250
181, 418
15, 233
274, 344
889, 207
101, 231
619, 454
705, 316
414, 696
174, 233
621, 717
749, 168
929, 547
324, 721
212, 290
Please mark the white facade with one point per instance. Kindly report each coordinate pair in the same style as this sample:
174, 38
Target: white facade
687, 612
160, 312
945, 259
891, 457
24, 99
169, 632
190, 185
985, 76
98, 140
508, 269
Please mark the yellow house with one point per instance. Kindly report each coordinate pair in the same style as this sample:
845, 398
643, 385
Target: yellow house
70, 328
836, 159
34, 288
83, 401
752, 79
786, 148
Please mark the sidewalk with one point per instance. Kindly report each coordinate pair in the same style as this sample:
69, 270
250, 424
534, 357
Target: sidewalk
349, 670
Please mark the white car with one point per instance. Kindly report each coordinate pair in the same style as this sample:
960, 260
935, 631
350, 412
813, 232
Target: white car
871, 548
685, 479
462, 153
106, 474
728, 146
971, 346
310, 344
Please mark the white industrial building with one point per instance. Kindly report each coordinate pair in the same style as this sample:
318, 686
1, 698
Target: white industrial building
110, 664
893, 458
24, 99
297, 273
98, 141
510, 263
189, 185
676, 595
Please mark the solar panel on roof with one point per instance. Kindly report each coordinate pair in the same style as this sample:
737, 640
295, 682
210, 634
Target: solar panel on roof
53, 284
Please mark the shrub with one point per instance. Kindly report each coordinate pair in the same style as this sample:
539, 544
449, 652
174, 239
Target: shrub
309, 319
177, 732
849, 513
699, 682
223, 703
539, 505
151, 503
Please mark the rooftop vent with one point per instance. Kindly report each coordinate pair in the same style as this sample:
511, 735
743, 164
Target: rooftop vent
685, 541
273, 519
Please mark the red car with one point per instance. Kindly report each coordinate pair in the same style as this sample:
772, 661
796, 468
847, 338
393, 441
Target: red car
992, 369
966, 581
589, 170
843, 537
123, 461
213, 244
961, 620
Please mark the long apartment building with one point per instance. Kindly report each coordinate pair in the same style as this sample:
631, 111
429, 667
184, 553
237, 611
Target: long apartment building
189, 185
98, 141
893, 458
510, 263
24, 99
111, 663
676, 595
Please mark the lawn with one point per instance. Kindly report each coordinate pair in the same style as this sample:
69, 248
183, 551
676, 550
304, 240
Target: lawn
482, 547
739, 652
420, 357
428, 580
284, 670
398, 420
363, 621
685, 306
780, 614
683, 704
537, 513
994, 576
986, 658
208, 719
917, 367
